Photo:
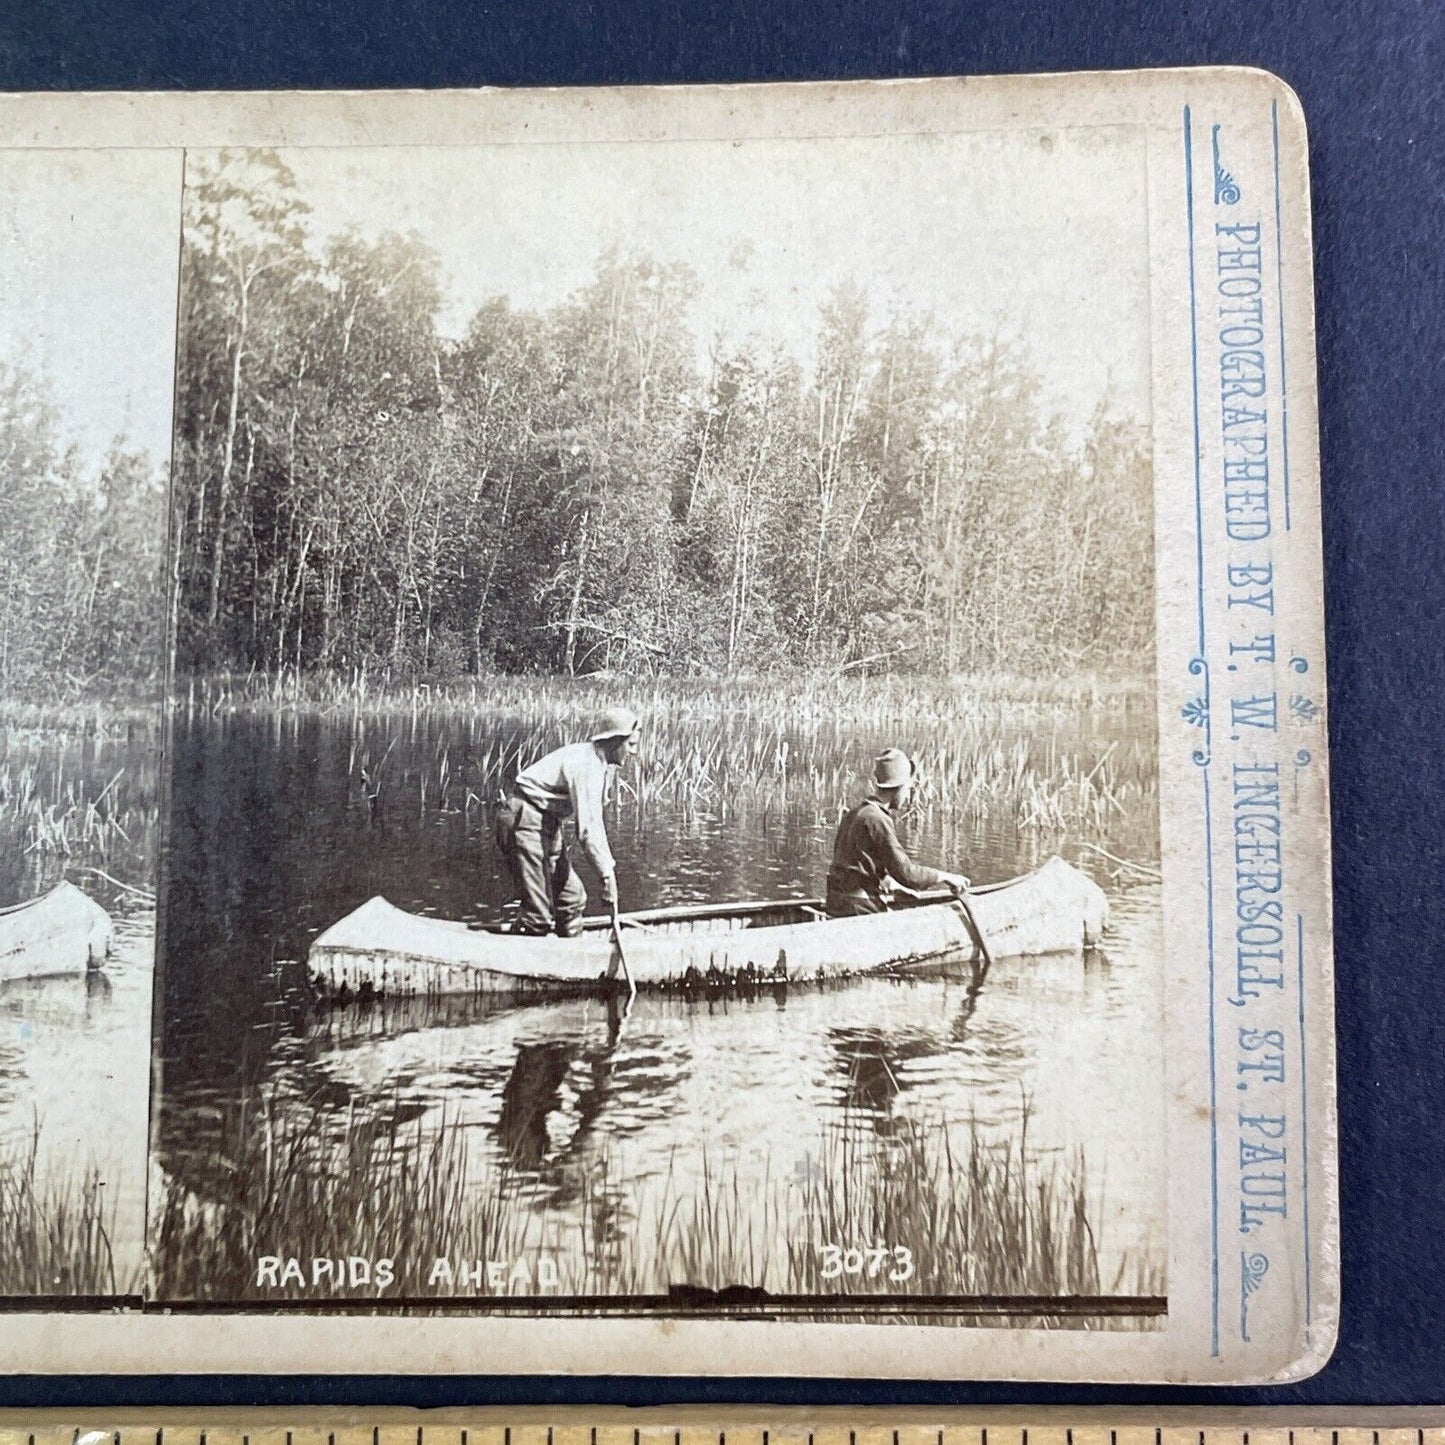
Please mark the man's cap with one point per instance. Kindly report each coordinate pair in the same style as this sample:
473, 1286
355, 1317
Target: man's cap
616, 722
892, 768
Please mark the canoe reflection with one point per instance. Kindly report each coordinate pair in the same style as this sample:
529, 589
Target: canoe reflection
75, 1002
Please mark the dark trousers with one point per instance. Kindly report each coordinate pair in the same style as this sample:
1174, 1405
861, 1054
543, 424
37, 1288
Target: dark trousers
550, 892
846, 904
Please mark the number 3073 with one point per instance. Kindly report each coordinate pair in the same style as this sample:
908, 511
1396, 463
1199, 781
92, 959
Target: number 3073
875, 1261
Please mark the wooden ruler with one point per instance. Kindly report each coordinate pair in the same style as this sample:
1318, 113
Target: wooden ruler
722, 1425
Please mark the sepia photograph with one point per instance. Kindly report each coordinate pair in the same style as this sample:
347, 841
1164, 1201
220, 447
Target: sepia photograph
664, 811
88, 259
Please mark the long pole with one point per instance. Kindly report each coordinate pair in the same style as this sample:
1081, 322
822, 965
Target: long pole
622, 954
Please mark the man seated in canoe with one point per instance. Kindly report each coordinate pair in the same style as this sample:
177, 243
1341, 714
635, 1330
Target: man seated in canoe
866, 851
569, 782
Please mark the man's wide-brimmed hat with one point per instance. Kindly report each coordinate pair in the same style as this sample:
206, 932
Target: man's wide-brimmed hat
891, 769
616, 722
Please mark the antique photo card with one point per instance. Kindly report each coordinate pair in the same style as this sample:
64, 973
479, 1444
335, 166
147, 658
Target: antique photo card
708, 708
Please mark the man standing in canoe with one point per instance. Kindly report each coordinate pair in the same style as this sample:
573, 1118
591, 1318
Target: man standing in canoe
569, 782
866, 850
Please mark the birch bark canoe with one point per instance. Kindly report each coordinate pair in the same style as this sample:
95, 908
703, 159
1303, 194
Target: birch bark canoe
60, 932
1054, 909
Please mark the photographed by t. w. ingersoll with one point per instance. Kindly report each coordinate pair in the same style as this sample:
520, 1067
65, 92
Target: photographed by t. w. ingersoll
729, 674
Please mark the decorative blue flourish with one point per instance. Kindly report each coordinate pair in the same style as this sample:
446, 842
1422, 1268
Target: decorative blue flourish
1252, 1270
1196, 712
1302, 758
1299, 664
1303, 710
1226, 192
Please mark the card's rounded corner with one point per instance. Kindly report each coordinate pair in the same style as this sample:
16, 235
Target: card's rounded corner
1292, 122
1320, 1342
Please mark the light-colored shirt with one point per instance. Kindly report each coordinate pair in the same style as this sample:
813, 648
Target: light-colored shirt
572, 782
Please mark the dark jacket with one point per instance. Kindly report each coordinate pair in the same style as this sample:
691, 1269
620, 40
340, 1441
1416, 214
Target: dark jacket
865, 852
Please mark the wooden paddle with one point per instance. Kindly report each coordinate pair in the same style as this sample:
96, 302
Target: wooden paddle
971, 923
964, 907
622, 953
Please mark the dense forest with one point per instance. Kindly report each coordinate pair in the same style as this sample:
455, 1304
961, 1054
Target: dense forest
81, 557
595, 487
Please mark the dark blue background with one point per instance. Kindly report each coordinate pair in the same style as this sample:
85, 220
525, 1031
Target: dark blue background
1371, 78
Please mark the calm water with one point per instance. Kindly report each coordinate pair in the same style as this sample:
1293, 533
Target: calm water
75, 1052
273, 837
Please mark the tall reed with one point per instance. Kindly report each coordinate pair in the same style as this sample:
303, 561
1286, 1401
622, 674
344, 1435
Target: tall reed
712, 747
990, 1221
77, 798
56, 1230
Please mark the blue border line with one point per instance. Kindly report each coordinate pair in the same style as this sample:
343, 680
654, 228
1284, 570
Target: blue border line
1213, 1072
1194, 368
1304, 1117
1279, 283
1204, 762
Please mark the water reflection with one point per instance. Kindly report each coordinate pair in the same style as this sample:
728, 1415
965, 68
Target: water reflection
75, 1080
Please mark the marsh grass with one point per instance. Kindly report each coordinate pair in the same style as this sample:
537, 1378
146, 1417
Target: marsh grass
297, 1187
887, 698
55, 1229
60, 815
988, 1221
79, 793
989, 748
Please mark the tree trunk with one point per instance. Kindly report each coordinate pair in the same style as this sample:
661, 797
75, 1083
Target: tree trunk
574, 608
228, 456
